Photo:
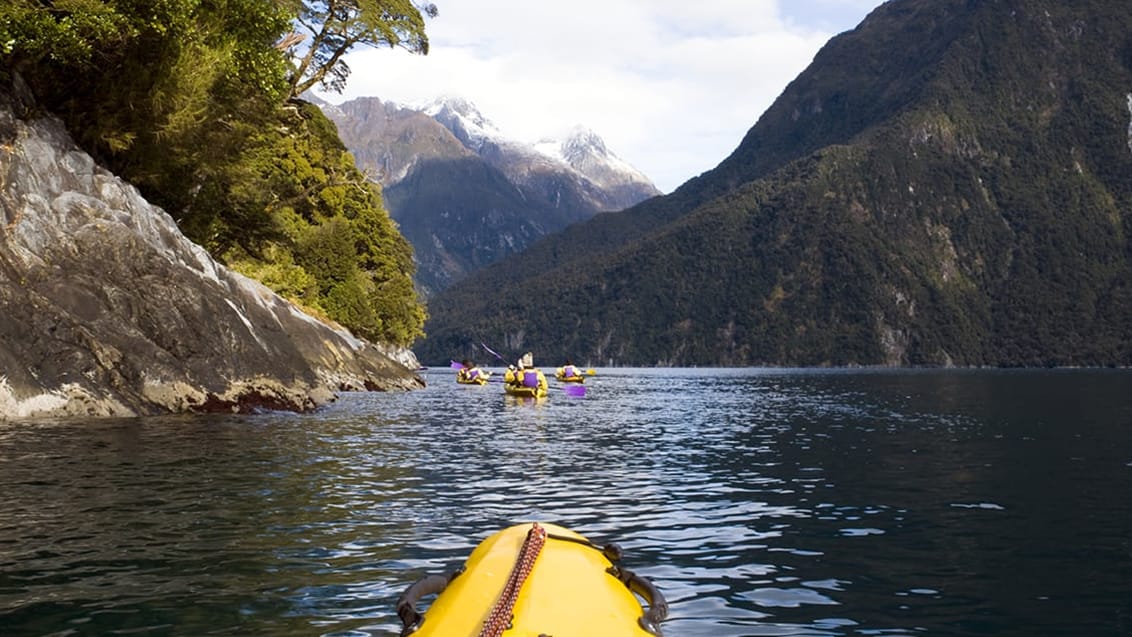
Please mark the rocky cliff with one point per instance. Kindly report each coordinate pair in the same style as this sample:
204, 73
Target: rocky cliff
107, 310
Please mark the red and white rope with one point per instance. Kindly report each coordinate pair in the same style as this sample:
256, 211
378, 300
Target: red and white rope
500, 617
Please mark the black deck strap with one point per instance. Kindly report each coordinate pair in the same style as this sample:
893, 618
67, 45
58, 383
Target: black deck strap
411, 620
611, 551
658, 606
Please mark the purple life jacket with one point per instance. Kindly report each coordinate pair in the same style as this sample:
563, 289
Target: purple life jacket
530, 379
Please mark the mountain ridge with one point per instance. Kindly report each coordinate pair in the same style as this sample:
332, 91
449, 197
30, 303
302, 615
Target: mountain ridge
903, 202
582, 151
460, 216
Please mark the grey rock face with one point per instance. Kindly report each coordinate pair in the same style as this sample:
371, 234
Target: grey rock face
106, 309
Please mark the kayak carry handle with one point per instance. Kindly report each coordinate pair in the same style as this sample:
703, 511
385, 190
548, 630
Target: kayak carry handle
658, 606
411, 620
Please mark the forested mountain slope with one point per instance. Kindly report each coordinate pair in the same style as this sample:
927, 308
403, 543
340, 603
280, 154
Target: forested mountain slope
945, 185
465, 195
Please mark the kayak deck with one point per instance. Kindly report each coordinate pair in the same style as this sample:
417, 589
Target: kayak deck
523, 391
570, 591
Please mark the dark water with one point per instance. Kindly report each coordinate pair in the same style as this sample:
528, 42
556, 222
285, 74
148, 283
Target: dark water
760, 502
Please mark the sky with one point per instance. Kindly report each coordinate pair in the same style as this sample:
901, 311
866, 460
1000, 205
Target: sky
672, 86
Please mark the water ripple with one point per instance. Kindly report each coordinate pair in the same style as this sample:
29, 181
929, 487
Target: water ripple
762, 502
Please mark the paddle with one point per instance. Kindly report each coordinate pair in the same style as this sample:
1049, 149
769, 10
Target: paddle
495, 354
573, 390
456, 365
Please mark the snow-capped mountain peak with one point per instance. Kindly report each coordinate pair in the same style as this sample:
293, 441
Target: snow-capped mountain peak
585, 151
582, 143
466, 195
576, 145
466, 122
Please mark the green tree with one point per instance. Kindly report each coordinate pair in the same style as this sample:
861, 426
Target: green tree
336, 26
187, 99
67, 32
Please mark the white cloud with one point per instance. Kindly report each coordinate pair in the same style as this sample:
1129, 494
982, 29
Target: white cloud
671, 86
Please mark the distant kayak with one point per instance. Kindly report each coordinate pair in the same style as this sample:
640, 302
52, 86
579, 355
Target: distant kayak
562, 377
478, 380
570, 373
536, 579
468, 374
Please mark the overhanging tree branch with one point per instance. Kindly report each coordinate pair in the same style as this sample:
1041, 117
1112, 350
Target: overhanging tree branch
335, 27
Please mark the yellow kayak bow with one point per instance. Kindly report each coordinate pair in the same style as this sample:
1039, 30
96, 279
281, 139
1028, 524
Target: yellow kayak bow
536, 579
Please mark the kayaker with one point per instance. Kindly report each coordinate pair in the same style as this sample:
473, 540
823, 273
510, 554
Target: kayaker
569, 370
525, 374
470, 372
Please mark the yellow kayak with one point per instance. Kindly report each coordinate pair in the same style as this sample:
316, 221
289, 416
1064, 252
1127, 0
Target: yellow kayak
523, 391
569, 379
478, 380
536, 579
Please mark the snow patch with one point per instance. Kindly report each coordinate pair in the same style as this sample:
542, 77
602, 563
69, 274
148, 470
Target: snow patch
579, 148
465, 120
585, 151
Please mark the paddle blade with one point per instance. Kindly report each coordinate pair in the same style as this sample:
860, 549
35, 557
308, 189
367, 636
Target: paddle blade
575, 390
590, 372
492, 352
456, 365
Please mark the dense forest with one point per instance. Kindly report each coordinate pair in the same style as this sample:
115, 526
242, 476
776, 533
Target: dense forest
196, 102
944, 185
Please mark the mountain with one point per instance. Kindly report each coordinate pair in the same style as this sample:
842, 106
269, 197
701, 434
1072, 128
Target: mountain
580, 162
388, 140
465, 195
618, 184
944, 185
